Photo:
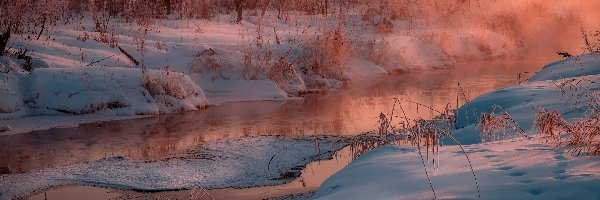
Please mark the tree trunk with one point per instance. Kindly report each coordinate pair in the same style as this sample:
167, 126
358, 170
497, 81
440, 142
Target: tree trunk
168, 6
4, 40
239, 8
326, 7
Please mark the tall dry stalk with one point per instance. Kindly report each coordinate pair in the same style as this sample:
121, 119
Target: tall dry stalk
426, 135
494, 128
581, 137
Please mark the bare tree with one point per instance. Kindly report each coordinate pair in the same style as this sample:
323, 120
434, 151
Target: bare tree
4, 40
239, 8
168, 6
5, 21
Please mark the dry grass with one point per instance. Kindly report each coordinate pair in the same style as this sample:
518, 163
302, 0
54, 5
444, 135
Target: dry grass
164, 82
282, 72
209, 60
582, 137
379, 52
577, 93
326, 55
494, 128
255, 62
426, 135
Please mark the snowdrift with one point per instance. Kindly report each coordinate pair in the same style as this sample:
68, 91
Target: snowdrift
505, 170
578, 66
84, 90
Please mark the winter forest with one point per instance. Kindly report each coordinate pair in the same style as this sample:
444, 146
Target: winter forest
299, 99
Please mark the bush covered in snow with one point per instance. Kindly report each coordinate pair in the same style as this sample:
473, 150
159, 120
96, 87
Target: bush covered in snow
123, 91
11, 73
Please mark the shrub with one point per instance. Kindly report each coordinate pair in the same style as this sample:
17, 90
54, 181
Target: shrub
209, 60
165, 82
379, 19
591, 41
379, 52
282, 72
328, 53
255, 62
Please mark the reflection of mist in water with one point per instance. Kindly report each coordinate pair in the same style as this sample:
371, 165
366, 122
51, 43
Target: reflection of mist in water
347, 111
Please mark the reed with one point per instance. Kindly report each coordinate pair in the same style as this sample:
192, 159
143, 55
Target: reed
426, 135
581, 137
494, 127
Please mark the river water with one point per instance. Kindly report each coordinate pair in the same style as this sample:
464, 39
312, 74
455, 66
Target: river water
351, 110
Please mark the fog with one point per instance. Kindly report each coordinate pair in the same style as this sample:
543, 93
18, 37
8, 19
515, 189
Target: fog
540, 26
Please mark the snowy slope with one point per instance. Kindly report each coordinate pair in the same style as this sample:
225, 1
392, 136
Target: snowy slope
570, 95
583, 65
508, 169
505, 170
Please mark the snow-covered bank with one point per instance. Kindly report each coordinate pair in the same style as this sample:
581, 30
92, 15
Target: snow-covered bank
508, 169
222, 91
517, 169
103, 91
568, 86
242, 162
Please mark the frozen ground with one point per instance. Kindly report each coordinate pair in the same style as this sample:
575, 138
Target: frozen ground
243, 162
507, 169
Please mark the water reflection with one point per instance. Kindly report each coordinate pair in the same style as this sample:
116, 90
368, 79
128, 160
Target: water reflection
347, 111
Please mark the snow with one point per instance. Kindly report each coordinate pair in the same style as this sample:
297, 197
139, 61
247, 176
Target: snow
583, 65
4, 128
122, 91
362, 68
238, 162
475, 44
60, 97
540, 91
516, 169
223, 91
11, 100
506, 169
413, 54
